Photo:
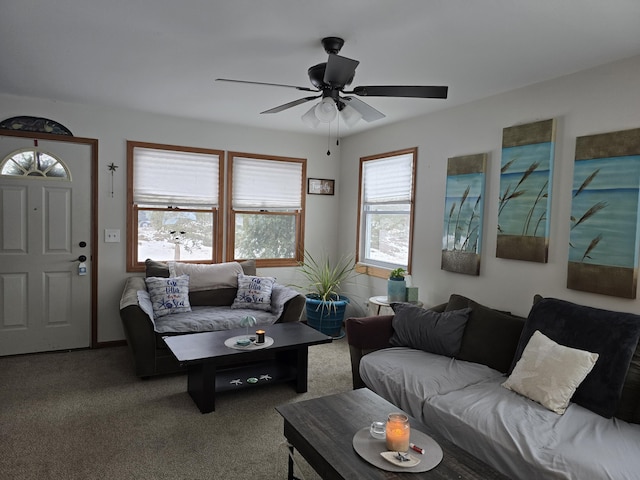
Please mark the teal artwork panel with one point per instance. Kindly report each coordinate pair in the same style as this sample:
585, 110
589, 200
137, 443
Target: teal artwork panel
525, 196
605, 212
462, 229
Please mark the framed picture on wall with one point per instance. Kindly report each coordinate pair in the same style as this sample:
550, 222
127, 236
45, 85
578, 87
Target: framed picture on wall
320, 186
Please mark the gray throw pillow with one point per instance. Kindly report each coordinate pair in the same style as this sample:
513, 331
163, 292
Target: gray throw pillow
433, 332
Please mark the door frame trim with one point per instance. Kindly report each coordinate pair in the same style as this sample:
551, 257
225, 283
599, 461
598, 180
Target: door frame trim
93, 144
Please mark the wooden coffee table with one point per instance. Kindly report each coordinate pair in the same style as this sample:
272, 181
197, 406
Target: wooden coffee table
322, 431
213, 367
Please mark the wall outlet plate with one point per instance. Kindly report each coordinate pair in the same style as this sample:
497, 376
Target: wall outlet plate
112, 235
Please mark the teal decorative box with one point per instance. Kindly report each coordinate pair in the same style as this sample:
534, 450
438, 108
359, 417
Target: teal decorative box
412, 294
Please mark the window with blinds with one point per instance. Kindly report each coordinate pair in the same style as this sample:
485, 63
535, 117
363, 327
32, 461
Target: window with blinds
174, 199
266, 209
387, 184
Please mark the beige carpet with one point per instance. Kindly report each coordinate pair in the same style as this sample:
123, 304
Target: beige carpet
84, 415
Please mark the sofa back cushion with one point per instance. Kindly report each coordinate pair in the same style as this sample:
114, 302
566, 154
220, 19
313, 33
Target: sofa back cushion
491, 336
211, 297
426, 330
612, 335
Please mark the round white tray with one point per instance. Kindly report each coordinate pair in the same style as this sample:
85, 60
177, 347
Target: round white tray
231, 343
370, 448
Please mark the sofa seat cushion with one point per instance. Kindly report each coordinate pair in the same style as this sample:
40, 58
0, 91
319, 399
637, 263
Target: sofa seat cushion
591, 446
208, 319
523, 439
407, 377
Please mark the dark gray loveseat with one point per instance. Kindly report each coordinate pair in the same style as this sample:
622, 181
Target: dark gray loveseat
211, 311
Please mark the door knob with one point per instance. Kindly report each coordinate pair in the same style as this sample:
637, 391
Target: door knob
82, 258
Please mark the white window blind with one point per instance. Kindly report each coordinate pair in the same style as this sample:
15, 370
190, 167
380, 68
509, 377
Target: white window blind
266, 184
388, 180
169, 177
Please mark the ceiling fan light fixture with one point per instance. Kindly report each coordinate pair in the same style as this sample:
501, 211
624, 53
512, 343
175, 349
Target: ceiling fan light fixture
326, 110
310, 119
350, 116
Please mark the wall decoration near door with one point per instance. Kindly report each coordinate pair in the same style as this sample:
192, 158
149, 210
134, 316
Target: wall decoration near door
25, 123
525, 191
604, 236
463, 215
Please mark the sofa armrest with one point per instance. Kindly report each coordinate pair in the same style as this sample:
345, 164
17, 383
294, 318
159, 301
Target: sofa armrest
293, 309
138, 328
365, 335
130, 293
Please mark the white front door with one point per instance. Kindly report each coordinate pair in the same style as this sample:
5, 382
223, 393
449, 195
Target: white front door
45, 227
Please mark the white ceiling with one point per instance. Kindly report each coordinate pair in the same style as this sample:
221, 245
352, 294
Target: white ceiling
163, 56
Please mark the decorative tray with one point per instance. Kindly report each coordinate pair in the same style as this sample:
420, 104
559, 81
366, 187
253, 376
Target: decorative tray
371, 449
232, 343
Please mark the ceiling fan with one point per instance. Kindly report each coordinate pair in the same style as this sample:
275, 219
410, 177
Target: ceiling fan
329, 80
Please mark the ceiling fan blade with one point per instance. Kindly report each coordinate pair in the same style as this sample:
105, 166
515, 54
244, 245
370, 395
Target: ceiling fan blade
368, 113
340, 70
401, 91
305, 89
290, 104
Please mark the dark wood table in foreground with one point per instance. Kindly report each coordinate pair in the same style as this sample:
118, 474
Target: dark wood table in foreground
322, 430
213, 367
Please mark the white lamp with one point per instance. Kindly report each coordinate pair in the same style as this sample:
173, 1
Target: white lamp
326, 110
310, 118
350, 116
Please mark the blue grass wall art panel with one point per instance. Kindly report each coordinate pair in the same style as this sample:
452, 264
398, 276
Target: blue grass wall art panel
464, 213
605, 214
524, 205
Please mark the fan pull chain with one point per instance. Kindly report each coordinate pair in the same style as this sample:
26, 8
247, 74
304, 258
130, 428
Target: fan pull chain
329, 141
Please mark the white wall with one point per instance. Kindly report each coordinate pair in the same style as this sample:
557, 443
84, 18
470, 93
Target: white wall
601, 100
113, 127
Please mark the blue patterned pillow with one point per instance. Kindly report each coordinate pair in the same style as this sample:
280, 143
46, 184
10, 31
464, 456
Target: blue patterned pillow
168, 295
254, 292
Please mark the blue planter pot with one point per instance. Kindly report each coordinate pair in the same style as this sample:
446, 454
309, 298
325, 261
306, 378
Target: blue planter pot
327, 317
396, 291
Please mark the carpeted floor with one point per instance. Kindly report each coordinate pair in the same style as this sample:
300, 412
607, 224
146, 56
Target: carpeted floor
84, 415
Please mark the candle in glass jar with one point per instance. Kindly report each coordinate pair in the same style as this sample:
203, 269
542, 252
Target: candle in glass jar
398, 432
260, 334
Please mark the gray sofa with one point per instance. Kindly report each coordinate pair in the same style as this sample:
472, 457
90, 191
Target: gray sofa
210, 311
461, 395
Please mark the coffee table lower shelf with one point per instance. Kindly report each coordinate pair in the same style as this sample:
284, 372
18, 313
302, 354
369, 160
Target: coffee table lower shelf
205, 380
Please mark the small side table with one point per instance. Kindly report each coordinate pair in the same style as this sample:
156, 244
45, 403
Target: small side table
381, 301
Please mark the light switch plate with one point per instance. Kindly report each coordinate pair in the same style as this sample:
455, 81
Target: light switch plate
112, 235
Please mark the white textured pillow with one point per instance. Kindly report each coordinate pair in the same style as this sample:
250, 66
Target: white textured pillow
207, 276
549, 373
168, 295
254, 292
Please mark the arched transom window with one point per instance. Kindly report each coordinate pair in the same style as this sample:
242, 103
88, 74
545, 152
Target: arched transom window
33, 162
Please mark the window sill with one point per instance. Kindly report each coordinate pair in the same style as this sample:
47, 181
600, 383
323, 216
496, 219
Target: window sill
373, 271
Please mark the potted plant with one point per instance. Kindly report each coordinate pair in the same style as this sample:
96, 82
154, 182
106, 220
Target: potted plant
396, 286
325, 307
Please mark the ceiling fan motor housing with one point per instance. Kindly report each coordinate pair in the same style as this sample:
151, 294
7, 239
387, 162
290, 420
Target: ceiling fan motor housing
332, 44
